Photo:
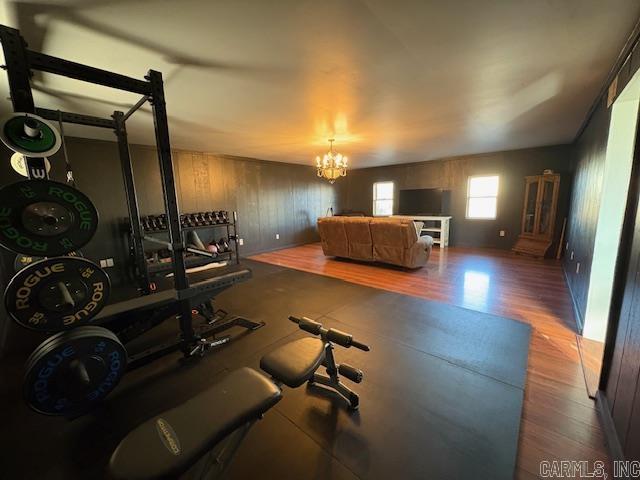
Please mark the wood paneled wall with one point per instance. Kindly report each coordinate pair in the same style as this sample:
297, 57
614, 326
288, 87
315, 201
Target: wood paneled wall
270, 198
622, 352
590, 151
453, 173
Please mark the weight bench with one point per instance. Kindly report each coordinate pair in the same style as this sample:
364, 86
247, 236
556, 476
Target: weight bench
296, 362
179, 439
201, 435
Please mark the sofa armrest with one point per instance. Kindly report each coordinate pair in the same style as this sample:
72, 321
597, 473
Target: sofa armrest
426, 241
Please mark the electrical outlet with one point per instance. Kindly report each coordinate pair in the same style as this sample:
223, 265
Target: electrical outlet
241, 241
571, 255
106, 262
502, 233
577, 267
277, 236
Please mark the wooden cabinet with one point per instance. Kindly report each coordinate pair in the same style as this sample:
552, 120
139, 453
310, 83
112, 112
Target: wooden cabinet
538, 214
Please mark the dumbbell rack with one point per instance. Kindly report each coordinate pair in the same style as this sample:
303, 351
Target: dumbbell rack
195, 261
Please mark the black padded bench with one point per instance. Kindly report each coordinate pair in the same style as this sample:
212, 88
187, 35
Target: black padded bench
296, 362
202, 434
168, 445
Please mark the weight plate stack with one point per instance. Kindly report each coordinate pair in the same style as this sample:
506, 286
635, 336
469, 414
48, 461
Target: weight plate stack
70, 372
45, 218
57, 294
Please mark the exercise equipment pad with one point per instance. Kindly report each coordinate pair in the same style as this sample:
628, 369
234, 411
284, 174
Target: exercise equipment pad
169, 444
294, 363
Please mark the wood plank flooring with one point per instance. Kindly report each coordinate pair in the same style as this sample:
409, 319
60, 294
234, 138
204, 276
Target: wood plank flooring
559, 420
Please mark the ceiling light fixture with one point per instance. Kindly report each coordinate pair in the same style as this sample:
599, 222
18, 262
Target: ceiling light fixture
332, 165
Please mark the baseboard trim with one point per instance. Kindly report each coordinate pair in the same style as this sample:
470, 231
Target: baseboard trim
281, 247
574, 303
608, 427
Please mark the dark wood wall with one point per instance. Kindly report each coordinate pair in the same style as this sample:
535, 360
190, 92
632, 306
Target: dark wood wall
453, 173
622, 385
590, 151
270, 198
620, 381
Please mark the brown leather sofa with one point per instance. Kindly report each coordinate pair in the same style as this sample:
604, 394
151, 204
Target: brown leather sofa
387, 240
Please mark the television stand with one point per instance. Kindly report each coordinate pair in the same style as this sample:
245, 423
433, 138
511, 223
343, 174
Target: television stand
438, 225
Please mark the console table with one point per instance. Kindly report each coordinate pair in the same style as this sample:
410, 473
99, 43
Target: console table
432, 224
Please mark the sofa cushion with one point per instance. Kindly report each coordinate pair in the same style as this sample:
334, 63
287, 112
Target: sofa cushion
392, 239
393, 232
333, 236
359, 238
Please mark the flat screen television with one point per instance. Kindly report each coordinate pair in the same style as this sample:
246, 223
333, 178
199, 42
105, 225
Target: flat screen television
423, 201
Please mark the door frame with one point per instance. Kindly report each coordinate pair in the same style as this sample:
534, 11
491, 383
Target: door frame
624, 257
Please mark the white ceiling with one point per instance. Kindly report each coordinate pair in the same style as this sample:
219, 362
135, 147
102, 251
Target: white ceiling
393, 81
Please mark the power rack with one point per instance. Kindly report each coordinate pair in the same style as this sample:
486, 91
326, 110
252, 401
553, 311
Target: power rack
20, 62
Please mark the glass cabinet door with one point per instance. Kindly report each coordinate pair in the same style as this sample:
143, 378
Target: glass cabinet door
546, 206
530, 198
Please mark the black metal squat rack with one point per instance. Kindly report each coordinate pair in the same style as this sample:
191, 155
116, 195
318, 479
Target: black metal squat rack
20, 62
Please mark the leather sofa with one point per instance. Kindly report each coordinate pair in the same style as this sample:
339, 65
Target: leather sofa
387, 240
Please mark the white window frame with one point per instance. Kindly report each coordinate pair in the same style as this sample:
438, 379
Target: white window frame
496, 196
375, 199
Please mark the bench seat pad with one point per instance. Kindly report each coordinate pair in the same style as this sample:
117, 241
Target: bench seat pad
294, 363
170, 443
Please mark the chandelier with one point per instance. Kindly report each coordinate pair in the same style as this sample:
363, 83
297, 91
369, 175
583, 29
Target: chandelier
331, 165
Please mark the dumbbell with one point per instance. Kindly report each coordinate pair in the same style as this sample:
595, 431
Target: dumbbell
225, 216
153, 224
213, 247
223, 245
162, 221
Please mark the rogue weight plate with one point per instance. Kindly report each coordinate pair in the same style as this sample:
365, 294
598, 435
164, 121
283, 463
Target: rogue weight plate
45, 218
22, 261
30, 135
19, 164
57, 294
71, 372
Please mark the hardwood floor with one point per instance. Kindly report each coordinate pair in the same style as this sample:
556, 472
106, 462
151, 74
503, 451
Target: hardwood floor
559, 420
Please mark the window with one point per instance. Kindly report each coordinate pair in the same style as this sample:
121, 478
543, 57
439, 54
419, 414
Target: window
382, 198
482, 197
